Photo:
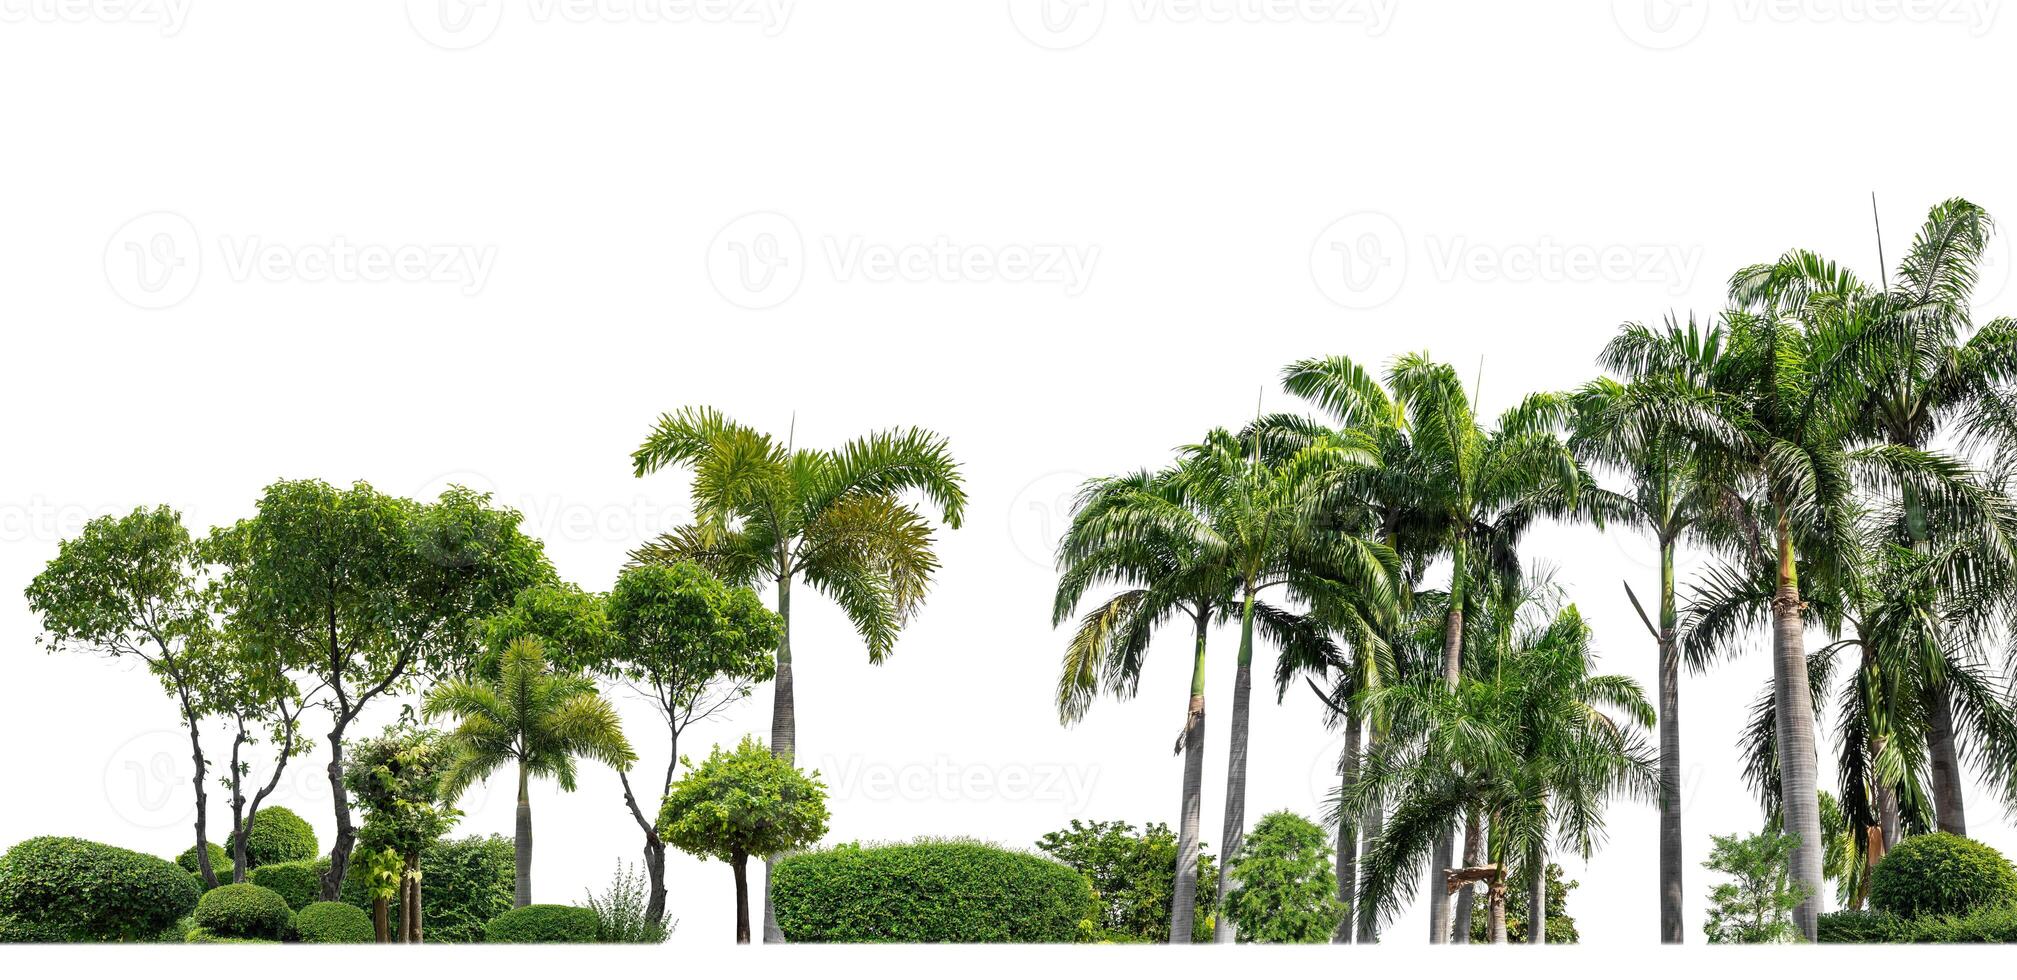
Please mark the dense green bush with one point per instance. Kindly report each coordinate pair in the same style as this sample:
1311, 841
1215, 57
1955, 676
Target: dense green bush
464, 883
220, 863
1990, 925
333, 922
279, 835
13, 930
90, 892
1942, 875
543, 924
299, 882
1862, 927
930, 891
244, 911
206, 936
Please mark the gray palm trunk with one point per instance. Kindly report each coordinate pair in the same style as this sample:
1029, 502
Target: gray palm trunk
1537, 893
1236, 785
1445, 850
521, 895
1368, 916
1948, 806
1671, 928
1474, 856
1799, 804
783, 726
1184, 901
1348, 836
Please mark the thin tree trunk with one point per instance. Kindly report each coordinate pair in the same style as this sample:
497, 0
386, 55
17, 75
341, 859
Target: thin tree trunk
1799, 804
1184, 902
381, 919
654, 850
1948, 807
409, 904
741, 865
1537, 894
1348, 834
203, 868
1369, 917
1234, 826
1671, 928
1474, 856
346, 833
522, 851
783, 728
239, 832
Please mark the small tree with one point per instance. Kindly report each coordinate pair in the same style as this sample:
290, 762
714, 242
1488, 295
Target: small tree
1287, 891
742, 804
248, 685
1133, 875
1758, 906
398, 779
1561, 925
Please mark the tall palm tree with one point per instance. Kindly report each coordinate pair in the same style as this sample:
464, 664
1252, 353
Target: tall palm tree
1115, 540
531, 717
836, 519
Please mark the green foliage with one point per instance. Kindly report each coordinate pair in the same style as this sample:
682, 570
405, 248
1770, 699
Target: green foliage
90, 892
1987, 925
1942, 875
333, 922
543, 924
678, 630
299, 882
14, 930
1863, 926
538, 718
397, 778
279, 835
742, 804
1285, 889
465, 883
1758, 906
619, 912
209, 937
220, 862
930, 891
1561, 925
1133, 877
244, 911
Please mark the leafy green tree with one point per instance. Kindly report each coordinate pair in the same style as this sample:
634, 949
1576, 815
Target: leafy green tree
364, 593
1559, 926
250, 686
1757, 906
129, 587
835, 519
398, 778
1287, 892
743, 804
533, 718
1133, 877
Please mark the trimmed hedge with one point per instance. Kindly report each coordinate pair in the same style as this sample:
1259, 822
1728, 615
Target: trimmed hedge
84, 891
220, 863
543, 924
244, 912
278, 835
333, 922
205, 936
929, 891
1942, 875
13, 930
299, 882
1992, 925
464, 883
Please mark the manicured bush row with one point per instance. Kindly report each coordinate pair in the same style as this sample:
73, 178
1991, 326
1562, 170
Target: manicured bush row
244, 911
930, 891
464, 883
1992, 925
543, 924
84, 891
299, 882
333, 922
1942, 875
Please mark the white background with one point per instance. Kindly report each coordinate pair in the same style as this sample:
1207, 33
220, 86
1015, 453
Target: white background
1510, 181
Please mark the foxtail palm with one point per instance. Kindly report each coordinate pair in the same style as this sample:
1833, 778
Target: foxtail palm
531, 717
836, 519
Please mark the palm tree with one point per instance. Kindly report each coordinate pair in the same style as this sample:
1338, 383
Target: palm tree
835, 519
1114, 540
534, 718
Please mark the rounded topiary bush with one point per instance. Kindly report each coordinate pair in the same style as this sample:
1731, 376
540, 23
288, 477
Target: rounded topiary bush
543, 924
244, 911
279, 835
299, 882
90, 892
220, 862
930, 891
1942, 874
202, 935
333, 922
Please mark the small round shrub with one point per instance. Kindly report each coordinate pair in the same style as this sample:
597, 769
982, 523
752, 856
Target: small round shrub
1942, 874
333, 922
202, 935
220, 862
543, 924
244, 911
279, 835
930, 891
299, 882
90, 892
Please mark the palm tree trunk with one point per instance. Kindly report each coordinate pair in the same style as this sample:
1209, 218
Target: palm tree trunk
1799, 804
522, 848
1236, 772
1495, 915
1537, 893
1348, 835
783, 726
1369, 917
1474, 856
1671, 928
1440, 858
741, 865
1184, 903
1948, 807
1453, 667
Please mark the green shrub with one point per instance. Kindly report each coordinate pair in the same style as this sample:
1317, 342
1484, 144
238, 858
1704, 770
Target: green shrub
90, 892
929, 891
299, 882
464, 883
1990, 925
333, 922
279, 835
220, 863
1942, 875
13, 930
543, 924
202, 935
1862, 927
244, 912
